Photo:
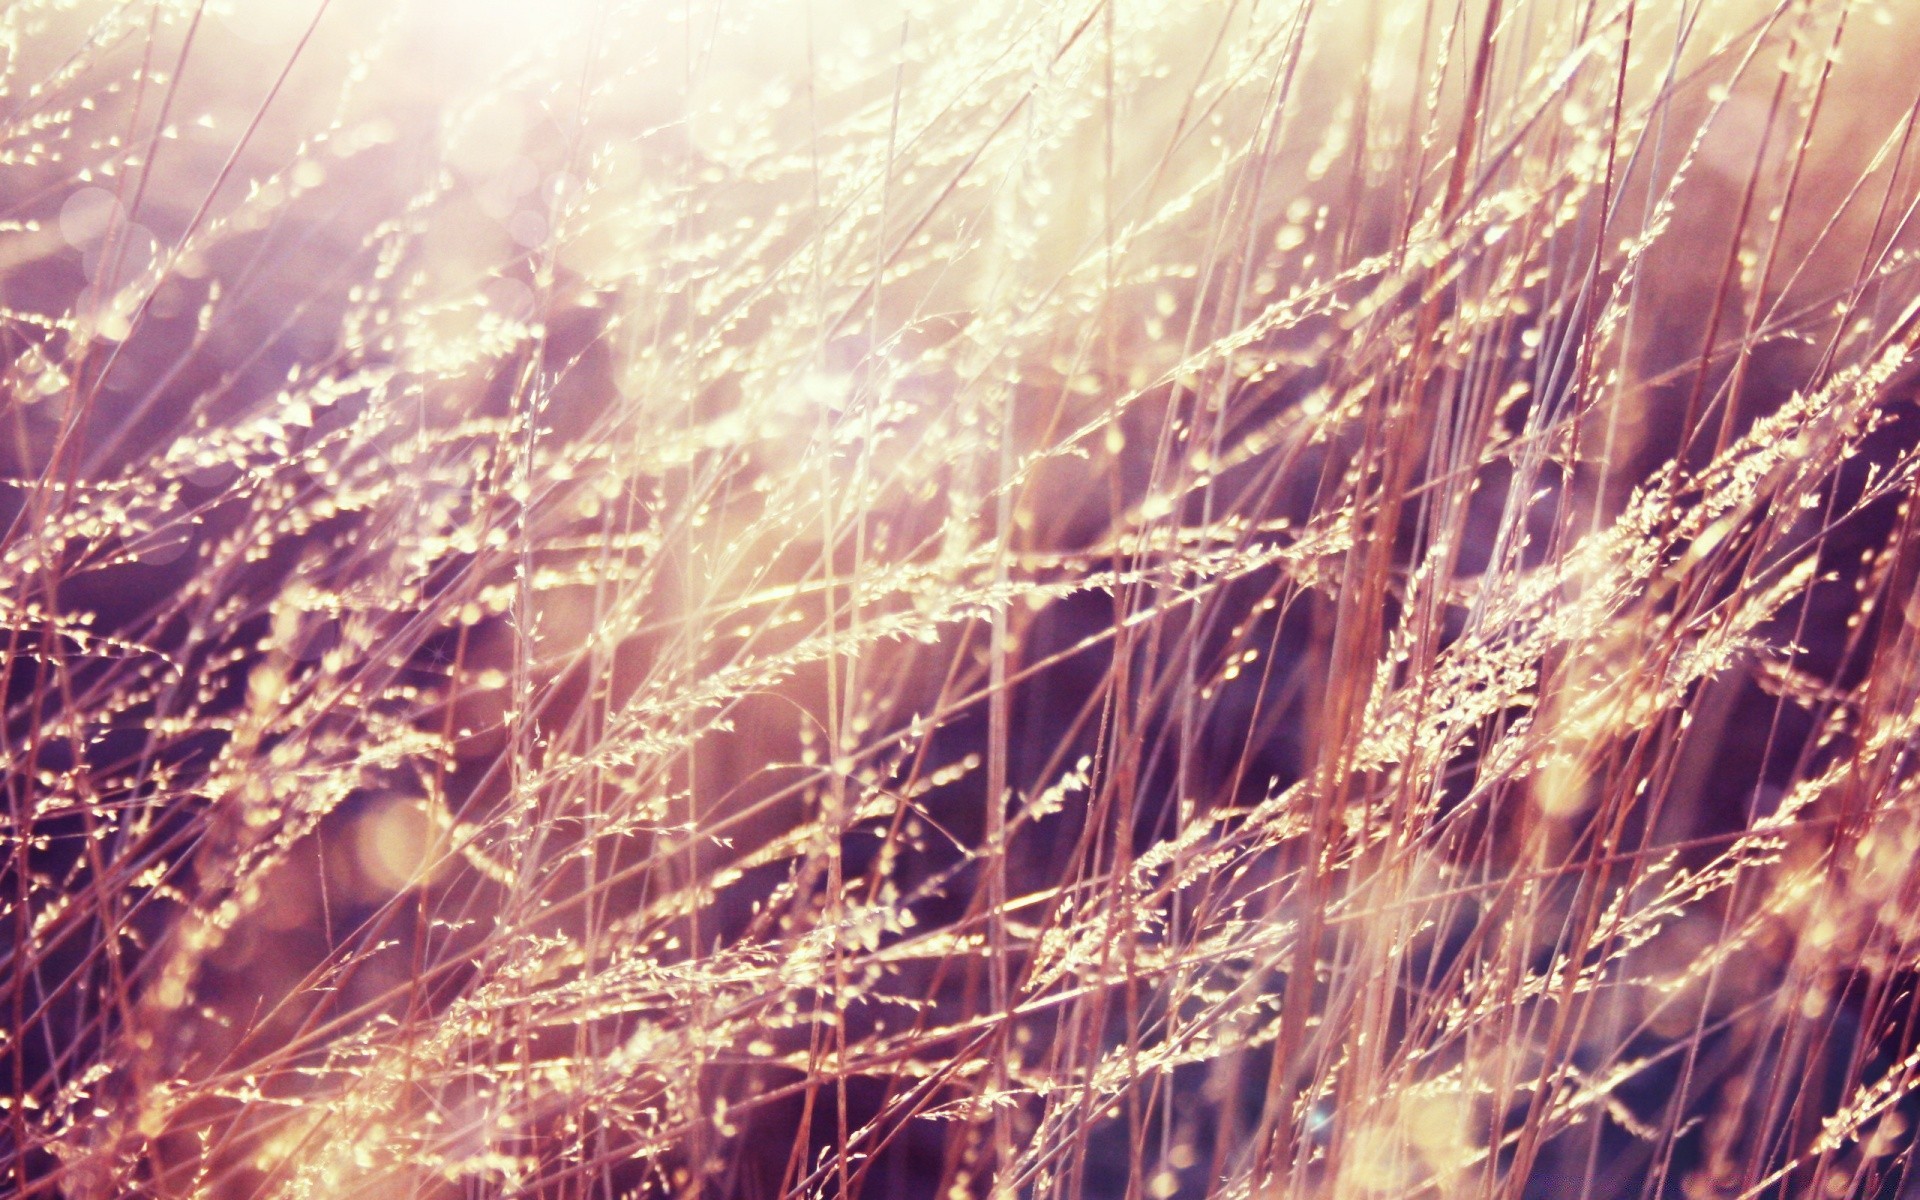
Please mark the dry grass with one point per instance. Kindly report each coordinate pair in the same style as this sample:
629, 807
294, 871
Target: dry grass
1100, 598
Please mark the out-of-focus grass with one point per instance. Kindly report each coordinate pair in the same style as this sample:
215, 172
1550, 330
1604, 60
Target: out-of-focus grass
1096, 599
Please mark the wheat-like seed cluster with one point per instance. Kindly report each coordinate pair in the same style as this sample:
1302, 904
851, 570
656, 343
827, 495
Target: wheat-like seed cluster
1049, 598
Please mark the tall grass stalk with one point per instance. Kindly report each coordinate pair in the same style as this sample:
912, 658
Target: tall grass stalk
1262, 599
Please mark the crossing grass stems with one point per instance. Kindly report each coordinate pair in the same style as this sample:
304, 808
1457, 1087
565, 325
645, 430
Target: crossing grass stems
1046, 598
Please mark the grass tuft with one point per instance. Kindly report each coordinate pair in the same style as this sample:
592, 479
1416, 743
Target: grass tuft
1068, 599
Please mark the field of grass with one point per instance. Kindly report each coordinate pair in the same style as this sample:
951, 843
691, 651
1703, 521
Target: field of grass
1063, 599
